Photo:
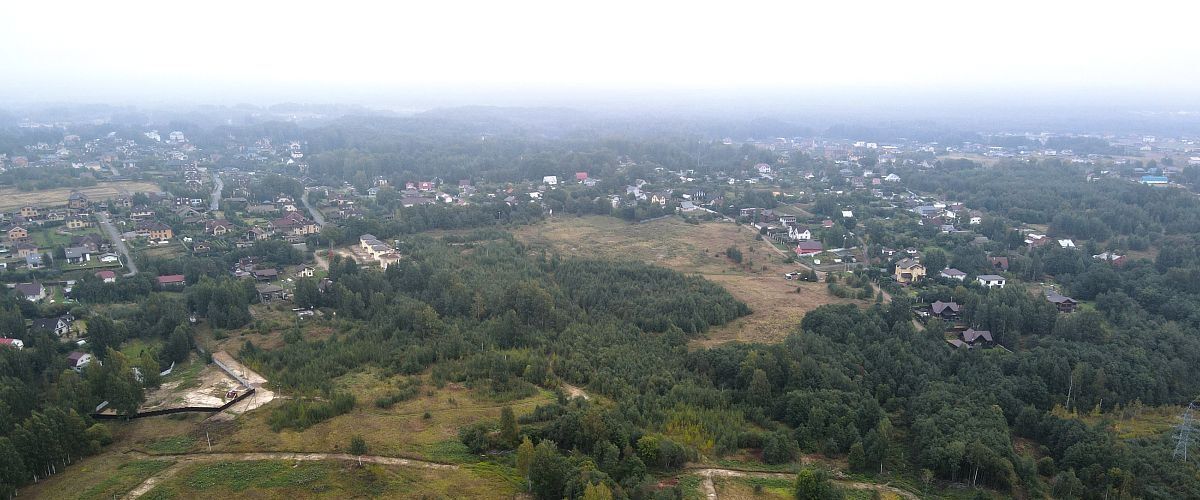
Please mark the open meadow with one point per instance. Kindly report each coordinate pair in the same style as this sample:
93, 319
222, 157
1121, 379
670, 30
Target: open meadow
12, 198
777, 304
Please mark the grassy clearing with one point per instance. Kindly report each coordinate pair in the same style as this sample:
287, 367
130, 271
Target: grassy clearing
188, 374
1132, 423
99, 478
12, 198
689, 485
48, 238
401, 430
744, 487
173, 444
778, 304
326, 479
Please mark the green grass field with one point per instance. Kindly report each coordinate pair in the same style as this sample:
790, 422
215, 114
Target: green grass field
325, 479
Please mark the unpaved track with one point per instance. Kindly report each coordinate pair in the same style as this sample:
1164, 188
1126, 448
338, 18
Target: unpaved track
183, 459
710, 490
575, 392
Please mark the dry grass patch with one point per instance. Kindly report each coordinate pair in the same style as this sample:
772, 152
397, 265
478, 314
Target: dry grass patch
326, 479
401, 430
12, 198
690, 248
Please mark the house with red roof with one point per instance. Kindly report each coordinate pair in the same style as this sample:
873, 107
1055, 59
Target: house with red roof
809, 248
172, 281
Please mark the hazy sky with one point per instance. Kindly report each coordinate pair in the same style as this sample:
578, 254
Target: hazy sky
335, 51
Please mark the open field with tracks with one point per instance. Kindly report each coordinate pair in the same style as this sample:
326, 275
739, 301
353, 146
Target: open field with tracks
778, 304
12, 198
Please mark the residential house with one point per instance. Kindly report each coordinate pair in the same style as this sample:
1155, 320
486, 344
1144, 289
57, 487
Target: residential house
954, 274
107, 276
77, 222
387, 259
26, 249
255, 233
269, 292
999, 263
59, 326
18, 234
307, 272
294, 224
172, 282
265, 274
157, 230
1111, 258
1062, 302
909, 271
76, 255
93, 242
34, 261
810, 247
990, 280
976, 338
799, 233
77, 360
32, 292
946, 310
218, 227
140, 213
29, 212
77, 201
17, 343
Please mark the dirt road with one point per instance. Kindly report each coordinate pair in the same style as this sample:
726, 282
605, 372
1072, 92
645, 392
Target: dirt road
115, 236
261, 394
575, 392
710, 489
182, 460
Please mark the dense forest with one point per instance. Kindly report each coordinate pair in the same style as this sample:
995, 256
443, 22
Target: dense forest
853, 382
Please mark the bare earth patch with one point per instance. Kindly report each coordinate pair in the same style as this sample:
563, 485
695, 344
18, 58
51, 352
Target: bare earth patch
12, 198
690, 248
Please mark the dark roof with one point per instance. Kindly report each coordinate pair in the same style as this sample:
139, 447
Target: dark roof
971, 335
940, 306
28, 289
1058, 298
45, 323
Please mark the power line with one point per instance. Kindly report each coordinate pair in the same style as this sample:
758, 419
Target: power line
1183, 433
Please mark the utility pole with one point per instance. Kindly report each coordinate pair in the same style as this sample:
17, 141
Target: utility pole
1183, 433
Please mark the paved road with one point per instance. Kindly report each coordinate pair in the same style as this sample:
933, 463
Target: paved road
215, 204
312, 211
117, 242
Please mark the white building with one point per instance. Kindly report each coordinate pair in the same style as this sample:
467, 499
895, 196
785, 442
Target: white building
990, 280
